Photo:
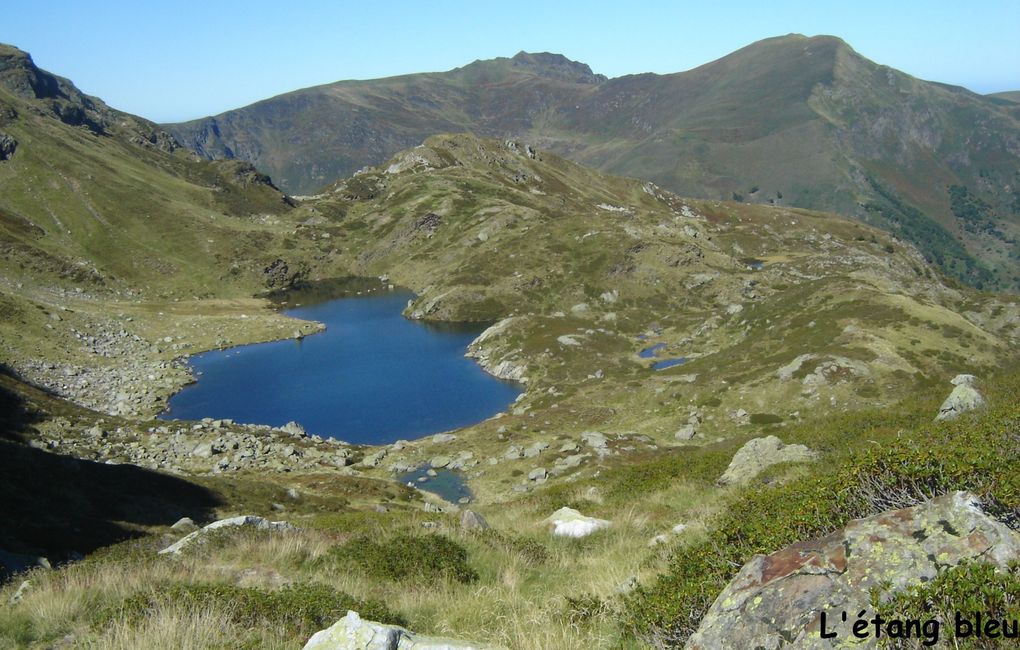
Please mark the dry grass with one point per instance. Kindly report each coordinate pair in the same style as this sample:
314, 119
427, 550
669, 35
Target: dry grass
515, 603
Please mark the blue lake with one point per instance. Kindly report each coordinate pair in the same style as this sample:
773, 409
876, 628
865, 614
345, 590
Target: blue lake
669, 363
651, 351
372, 377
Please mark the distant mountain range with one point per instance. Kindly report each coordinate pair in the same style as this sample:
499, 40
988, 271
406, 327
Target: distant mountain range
1009, 95
794, 120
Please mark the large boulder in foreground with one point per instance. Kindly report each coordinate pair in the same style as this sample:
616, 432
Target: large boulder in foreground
247, 521
965, 397
760, 453
354, 633
777, 600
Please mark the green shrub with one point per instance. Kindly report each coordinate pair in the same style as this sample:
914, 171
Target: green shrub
407, 557
765, 418
968, 588
299, 608
978, 453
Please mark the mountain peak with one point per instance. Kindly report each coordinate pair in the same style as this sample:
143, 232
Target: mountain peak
20, 76
556, 66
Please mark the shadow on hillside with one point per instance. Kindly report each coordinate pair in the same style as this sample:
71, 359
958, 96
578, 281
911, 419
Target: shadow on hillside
15, 417
59, 506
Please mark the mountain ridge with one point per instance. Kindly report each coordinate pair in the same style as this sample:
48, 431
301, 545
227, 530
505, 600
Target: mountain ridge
793, 120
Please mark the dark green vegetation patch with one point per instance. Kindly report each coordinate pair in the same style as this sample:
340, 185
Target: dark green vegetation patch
913, 460
432, 558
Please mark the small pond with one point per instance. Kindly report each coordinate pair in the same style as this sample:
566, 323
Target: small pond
446, 484
669, 363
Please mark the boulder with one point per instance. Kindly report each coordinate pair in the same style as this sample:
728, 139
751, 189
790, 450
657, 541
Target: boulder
785, 373
185, 525
471, 520
535, 449
293, 428
8, 146
777, 600
513, 452
567, 522
249, 521
760, 453
594, 439
354, 633
373, 460
687, 432
19, 595
203, 450
965, 397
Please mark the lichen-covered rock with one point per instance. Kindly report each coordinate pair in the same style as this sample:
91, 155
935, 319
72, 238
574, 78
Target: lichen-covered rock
354, 633
777, 600
250, 521
760, 453
965, 397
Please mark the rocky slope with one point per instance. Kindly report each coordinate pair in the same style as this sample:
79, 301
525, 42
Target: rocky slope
793, 121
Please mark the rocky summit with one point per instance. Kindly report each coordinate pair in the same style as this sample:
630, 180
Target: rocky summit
760, 379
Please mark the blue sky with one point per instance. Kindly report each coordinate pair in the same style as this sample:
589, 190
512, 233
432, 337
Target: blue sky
174, 61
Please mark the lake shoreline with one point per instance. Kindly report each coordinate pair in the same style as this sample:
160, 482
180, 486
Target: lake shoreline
455, 406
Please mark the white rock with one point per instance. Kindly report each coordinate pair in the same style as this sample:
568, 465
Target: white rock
354, 633
567, 522
964, 397
258, 523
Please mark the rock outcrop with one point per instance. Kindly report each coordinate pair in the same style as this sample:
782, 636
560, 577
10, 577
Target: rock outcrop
493, 354
777, 600
8, 146
250, 521
965, 397
354, 633
760, 453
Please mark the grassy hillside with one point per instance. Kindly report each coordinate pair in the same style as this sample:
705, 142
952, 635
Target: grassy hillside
124, 254
1009, 95
795, 121
585, 270
105, 201
515, 585
107, 225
